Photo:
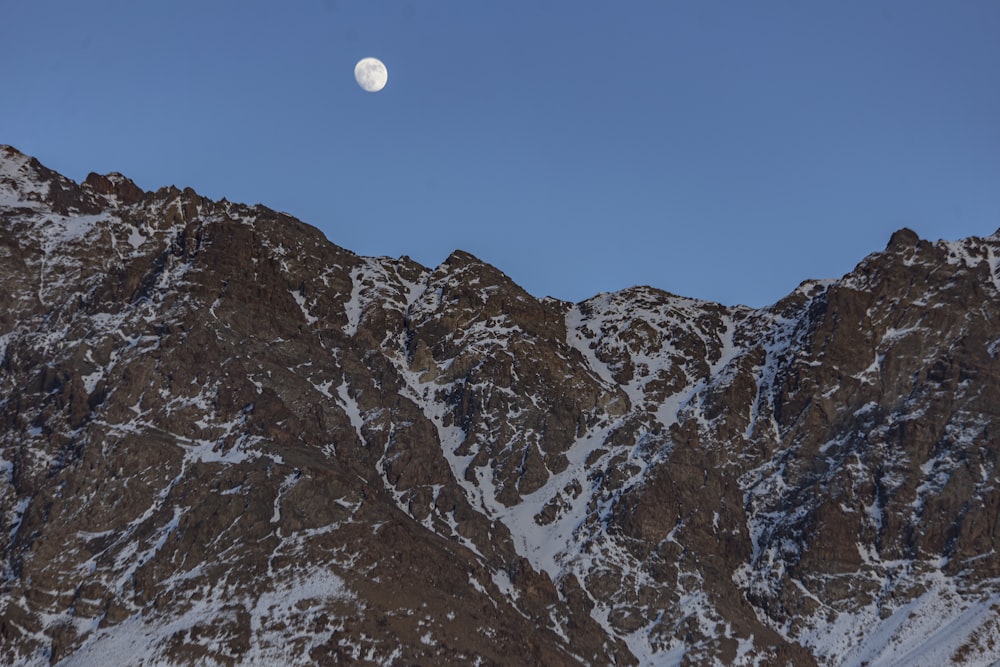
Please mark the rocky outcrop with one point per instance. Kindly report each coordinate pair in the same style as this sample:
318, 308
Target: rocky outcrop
226, 440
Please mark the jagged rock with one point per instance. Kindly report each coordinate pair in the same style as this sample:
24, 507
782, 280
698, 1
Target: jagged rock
115, 184
226, 440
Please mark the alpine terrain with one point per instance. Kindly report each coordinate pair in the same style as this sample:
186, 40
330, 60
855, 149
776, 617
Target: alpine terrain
224, 440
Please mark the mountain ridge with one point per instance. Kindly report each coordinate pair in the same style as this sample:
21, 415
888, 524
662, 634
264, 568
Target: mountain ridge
229, 440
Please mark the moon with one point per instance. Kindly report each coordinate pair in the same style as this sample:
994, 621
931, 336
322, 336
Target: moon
371, 74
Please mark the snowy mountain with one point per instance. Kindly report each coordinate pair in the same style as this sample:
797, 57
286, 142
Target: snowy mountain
226, 440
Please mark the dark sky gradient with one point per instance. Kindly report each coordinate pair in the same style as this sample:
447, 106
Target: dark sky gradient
721, 150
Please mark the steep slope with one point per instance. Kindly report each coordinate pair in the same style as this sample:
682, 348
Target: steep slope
198, 445
227, 441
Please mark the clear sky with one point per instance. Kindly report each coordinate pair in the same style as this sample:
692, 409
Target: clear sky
720, 150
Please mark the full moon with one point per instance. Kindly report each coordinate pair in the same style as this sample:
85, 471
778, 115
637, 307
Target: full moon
371, 74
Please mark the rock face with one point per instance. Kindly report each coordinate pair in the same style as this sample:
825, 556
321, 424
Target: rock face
227, 441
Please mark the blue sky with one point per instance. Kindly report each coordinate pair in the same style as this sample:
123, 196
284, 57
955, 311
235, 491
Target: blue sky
720, 150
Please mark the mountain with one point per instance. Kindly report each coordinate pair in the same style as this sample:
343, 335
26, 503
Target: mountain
224, 440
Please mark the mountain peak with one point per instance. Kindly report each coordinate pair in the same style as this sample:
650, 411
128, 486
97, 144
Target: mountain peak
902, 239
10, 154
21, 175
459, 258
116, 185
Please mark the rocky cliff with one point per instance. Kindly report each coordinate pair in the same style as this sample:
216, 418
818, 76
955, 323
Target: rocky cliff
225, 440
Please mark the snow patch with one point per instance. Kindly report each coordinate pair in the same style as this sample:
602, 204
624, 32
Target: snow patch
301, 300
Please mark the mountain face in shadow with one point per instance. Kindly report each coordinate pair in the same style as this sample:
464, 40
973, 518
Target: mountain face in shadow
224, 440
